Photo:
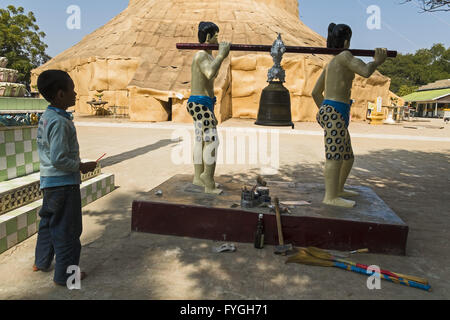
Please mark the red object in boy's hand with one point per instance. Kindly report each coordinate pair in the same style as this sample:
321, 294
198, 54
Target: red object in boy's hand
101, 158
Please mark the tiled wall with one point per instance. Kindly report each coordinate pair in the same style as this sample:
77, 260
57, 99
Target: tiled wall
11, 104
22, 223
18, 152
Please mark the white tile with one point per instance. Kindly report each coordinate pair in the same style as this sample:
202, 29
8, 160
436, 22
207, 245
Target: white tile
10, 149
83, 193
11, 240
2, 230
20, 159
29, 168
2, 163
33, 133
99, 194
35, 156
103, 184
88, 199
27, 146
94, 187
21, 221
12, 173
32, 229
18, 136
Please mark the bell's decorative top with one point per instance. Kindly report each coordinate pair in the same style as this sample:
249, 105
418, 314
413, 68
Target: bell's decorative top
277, 52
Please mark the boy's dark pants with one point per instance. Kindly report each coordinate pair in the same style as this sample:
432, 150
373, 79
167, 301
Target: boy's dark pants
60, 230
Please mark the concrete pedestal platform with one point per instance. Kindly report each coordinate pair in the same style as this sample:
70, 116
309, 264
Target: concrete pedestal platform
184, 210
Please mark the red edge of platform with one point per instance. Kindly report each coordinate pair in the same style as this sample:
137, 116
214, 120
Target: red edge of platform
240, 226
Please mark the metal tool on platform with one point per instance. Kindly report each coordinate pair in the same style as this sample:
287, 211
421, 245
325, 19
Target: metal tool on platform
255, 197
282, 248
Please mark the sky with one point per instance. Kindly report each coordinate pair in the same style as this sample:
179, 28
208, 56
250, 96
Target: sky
398, 26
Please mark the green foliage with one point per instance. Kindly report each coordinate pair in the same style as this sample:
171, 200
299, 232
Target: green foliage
411, 71
20, 41
405, 90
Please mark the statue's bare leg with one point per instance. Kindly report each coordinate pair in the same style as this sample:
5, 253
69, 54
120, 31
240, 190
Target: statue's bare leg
347, 166
336, 146
332, 173
205, 147
210, 157
345, 172
199, 166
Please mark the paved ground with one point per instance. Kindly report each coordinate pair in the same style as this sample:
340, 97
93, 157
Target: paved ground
410, 173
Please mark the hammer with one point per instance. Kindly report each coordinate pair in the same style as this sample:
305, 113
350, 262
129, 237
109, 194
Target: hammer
282, 248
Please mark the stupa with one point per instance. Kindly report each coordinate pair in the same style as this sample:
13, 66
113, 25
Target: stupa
8, 81
134, 63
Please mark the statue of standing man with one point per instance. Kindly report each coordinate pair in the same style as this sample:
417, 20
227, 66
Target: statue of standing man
205, 69
332, 95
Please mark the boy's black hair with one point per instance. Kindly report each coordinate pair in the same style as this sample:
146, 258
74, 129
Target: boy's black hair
205, 28
337, 34
51, 81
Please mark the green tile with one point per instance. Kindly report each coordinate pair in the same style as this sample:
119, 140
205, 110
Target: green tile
9, 136
2, 150
11, 161
28, 157
34, 145
21, 171
3, 245
27, 134
31, 217
22, 234
20, 148
84, 202
11, 226
3, 175
36, 166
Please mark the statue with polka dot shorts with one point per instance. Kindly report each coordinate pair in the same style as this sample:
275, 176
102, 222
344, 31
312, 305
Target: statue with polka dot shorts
332, 96
200, 106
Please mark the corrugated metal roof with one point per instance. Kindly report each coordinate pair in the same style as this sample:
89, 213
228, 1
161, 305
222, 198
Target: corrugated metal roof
430, 95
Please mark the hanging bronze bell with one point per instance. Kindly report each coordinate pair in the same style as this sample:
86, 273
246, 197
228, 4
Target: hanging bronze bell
275, 106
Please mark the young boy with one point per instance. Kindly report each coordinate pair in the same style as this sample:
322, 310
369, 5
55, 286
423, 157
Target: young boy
61, 224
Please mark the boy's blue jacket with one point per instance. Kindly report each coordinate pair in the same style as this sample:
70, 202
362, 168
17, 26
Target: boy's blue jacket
58, 149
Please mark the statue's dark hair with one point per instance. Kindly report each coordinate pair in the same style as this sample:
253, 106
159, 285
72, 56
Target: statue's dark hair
205, 28
337, 34
51, 81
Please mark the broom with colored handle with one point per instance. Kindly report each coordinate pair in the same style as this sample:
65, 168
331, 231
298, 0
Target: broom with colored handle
322, 254
304, 257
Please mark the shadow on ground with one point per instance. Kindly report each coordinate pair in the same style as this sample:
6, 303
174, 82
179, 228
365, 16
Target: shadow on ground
110, 161
125, 265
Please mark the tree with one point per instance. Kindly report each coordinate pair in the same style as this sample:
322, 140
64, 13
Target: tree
409, 71
20, 41
432, 5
